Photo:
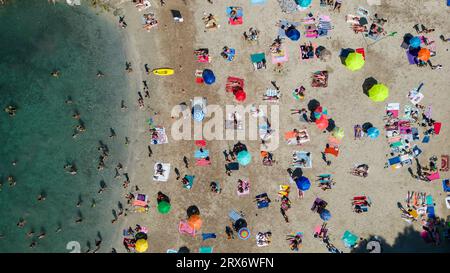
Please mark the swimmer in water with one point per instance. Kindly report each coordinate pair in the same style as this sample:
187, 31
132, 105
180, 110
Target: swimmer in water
21, 223
76, 115
42, 235
30, 233
69, 100
33, 244
41, 197
93, 203
100, 74
58, 229
55, 73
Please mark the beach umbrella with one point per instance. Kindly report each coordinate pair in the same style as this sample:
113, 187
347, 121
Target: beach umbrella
195, 222
244, 157
141, 245
378, 92
239, 224
192, 210
366, 126
373, 132
424, 54
184, 249
313, 104
208, 76
414, 42
244, 233
140, 235
325, 215
164, 207
293, 34
354, 61
338, 133
331, 125
303, 3
303, 183
197, 113
322, 122
240, 95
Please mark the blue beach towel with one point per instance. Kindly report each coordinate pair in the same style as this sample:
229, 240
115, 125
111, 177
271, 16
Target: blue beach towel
199, 154
206, 236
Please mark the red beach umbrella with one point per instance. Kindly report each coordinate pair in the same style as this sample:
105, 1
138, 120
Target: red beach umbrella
240, 95
322, 122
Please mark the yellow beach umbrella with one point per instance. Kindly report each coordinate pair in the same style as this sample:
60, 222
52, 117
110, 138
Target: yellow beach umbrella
141, 245
378, 92
338, 133
354, 61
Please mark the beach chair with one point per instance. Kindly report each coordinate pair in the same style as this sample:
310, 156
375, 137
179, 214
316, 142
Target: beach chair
234, 216
185, 228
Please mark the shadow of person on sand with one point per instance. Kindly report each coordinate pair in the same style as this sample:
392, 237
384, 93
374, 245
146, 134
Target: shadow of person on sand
408, 241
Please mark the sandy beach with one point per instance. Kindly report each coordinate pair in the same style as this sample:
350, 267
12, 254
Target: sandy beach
171, 44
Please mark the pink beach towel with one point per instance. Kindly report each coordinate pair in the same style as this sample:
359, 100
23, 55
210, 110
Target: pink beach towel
434, 176
202, 162
437, 127
139, 203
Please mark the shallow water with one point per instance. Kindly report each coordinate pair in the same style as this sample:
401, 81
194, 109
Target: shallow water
36, 38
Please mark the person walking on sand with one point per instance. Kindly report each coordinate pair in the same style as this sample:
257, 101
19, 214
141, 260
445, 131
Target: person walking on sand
231, 152
337, 5
150, 152
147, 70
227, 170
177, 172
186, 162
226, 155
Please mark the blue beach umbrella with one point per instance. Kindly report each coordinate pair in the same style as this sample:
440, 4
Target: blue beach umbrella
244, 158
303, 183
414, 42
197, 113
208, 76
325, 215
303, 3
293, 34
373, 132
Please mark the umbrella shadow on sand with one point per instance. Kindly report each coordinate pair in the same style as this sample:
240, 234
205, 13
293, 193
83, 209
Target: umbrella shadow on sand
344, 53
367, 84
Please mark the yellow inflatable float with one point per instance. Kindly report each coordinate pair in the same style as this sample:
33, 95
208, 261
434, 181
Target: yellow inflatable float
163, 71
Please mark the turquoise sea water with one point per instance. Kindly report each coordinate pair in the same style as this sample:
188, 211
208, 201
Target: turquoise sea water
37, 37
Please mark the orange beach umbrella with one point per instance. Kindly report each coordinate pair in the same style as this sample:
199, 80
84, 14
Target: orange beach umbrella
195, 222
424, 54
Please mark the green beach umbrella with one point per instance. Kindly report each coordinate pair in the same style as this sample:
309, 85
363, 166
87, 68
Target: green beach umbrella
378, 92
244, 157
164, 207
354, 61
338, 133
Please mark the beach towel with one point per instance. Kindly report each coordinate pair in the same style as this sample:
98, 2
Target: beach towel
280, 57
234, 84
263, 200
238, 18
145, 5
234, 166
139, 203
245, 186
190, 179
437, 127
332, 150
159, 136
206, 236
185, 228
291, 137
272, 95
202, 162
426, 139
199, 76
285, 23
199, 154
166, 171
205, 249
434, 176
234, 216
258, 1
446, 185
298, 156
310, 55
258, 60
